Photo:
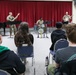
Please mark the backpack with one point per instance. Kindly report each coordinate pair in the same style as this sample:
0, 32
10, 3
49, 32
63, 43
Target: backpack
67, 67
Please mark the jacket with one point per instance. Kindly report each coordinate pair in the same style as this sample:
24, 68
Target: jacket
56, 35
10, 62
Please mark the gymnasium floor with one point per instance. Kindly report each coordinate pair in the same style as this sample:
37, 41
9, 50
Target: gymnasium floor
41, 50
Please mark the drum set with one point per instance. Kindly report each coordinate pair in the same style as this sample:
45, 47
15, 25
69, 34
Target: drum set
42, 29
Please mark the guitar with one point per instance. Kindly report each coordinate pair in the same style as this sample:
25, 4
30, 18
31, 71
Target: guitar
12, 18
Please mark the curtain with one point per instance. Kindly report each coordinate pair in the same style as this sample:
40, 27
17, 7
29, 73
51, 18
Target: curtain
31, 11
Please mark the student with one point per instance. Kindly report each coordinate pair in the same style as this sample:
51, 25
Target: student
65, 53
23, 36
57, 34
9, 61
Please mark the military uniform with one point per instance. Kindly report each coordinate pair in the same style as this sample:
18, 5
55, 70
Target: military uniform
12, 27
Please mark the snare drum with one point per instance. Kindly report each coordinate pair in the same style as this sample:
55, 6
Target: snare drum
41, 31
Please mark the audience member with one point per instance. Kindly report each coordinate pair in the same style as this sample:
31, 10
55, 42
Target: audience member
9, 61
65, 53
57, 34
23, 36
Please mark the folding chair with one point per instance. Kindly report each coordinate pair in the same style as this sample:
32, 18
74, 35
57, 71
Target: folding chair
62, 43
2, 72
25, 52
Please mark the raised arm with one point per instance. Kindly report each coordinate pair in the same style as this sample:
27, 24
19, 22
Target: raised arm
16, 16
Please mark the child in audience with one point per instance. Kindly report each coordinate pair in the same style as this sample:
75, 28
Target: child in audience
9, 61
23, 36
65, 53
57, 34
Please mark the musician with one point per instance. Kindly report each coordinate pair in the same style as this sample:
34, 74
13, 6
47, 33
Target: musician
40, 25
40, 21
66, 18
11, 18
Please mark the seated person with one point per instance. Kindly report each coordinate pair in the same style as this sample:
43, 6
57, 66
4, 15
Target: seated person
57, 34
23, 36
9, 61
65, 53
40, 26
40, 22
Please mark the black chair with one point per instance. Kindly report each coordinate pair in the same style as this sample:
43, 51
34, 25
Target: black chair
25, 52
2, 72
61, 43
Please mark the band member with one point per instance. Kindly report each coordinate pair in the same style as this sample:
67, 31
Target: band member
11, 18
40, 22
40, 26
66, 18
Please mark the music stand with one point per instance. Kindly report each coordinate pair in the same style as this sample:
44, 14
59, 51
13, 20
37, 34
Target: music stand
3, 25
47, 22
13, 22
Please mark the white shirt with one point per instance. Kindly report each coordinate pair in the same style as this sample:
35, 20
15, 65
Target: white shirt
40, 22
66, 18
